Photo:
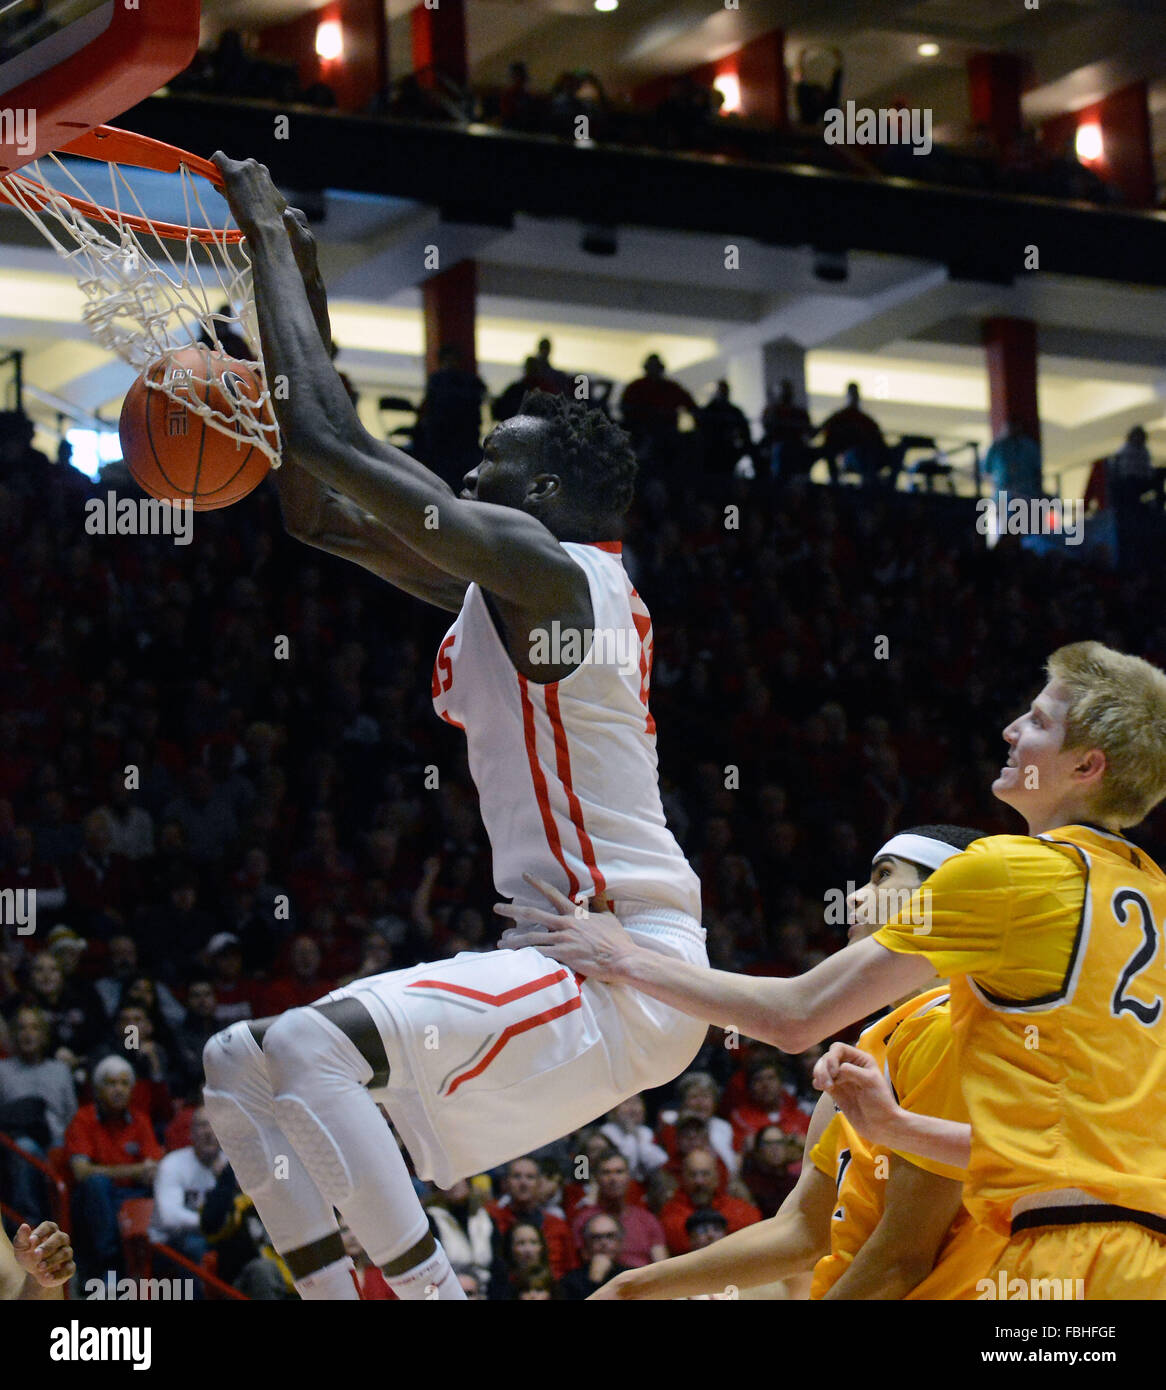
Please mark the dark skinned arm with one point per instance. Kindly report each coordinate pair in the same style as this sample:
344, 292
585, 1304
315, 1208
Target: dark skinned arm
506, 551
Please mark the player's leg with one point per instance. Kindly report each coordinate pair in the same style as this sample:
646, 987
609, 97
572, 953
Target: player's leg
321, 1061
240, 1103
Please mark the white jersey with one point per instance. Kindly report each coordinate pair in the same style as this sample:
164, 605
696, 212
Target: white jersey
566, 772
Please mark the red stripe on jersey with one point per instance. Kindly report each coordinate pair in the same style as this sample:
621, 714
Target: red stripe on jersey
563, 768
449, 719
515, 1029
612, 547
507, 997
550, 829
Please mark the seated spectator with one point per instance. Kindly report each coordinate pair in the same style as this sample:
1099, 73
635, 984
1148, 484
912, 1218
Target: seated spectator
198, 1026
459, 1219
698, 1189
376, 957
602, 1260
583, 1188
768, 1102
852, 441
113, 1155
206, 816
535, 1286
522, 1247
130, 825
700, 1095
771, 1167
692, 1132
472, 1286
121, 964
549, 1191
624, 1127
69, 951
641, 1234
247, 1259
302, 984
131, 1038
100, 883
181, 1184
24, 869
705, 1227
37, 1102
175, 930
235, 997
519, 1202
72, 1025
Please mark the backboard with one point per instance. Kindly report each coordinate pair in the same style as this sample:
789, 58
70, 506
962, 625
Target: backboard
67, 66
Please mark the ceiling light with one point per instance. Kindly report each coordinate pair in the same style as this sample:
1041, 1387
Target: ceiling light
606, 6
729, 86
928, 50
330, 40
1089, 143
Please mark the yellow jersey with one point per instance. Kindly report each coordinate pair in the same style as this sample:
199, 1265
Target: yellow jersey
1053, 948
913, 1044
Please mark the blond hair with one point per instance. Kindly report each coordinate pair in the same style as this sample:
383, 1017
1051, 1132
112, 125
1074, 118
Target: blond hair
1117, 703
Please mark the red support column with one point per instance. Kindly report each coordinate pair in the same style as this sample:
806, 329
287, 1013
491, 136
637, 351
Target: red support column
995, 83
1011, 352
450, 299
360, 74
439, 42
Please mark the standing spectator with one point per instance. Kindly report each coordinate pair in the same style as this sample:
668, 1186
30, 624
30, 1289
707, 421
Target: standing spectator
768, 1102
624, 1127
1013, 463
786, 429
449, 423
1130, 472
850, 438
724, 431
650, 408
114, 1155
550, 379
602, 1240
33, 1076
516, 106
520, 1203
698, 1189
642, 1235
181, 1184
508, 404
771, 1167
815, 93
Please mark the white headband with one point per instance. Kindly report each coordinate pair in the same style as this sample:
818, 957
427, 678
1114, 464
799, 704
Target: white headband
919, 849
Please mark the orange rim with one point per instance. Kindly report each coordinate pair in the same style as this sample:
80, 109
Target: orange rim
109, 145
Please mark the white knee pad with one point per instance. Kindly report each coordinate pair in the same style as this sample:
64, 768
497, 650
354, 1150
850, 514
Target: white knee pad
238, 1103
310, 1062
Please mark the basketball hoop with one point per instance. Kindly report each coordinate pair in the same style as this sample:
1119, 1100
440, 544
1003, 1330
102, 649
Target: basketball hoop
149, 283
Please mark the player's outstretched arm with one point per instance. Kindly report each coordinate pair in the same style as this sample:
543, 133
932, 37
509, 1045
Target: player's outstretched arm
38, 1265
788, 1243
860, 1090
791, 1014
506, 551
900, 1252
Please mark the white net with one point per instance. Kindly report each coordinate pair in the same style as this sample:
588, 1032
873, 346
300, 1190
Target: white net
151, 286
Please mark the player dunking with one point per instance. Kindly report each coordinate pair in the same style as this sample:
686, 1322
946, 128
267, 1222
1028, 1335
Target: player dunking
483, 1057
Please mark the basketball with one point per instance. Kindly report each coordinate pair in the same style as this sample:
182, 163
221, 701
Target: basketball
172, 450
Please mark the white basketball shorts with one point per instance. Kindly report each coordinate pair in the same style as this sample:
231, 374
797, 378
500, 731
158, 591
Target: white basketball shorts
496, 1053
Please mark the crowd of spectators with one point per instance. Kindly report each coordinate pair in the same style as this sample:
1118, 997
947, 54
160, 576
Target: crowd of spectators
688, 117
218, 824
